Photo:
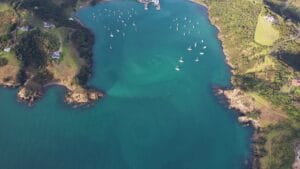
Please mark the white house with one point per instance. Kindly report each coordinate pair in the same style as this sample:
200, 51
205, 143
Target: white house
48, 25
270, 19
24, 28
56, 55
7, 49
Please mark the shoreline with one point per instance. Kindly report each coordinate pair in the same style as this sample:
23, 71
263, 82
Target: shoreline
219, 92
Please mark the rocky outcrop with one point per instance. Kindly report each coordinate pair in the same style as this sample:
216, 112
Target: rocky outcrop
239, 101
82, 97
29, 96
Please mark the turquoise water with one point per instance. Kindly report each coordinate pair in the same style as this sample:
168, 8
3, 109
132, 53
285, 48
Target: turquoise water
158, 113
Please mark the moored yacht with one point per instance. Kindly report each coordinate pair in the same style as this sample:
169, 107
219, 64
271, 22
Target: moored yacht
181, 60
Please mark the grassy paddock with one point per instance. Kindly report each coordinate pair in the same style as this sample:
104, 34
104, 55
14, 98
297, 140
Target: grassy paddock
4, 7
265, 33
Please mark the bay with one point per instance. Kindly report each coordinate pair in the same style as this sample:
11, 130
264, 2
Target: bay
160, 111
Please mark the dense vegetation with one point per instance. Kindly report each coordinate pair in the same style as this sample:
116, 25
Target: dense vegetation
34, 48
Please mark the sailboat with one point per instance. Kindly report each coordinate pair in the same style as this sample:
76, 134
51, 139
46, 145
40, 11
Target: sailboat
177, 68
111, 35
181, 60
197, 59
189, 48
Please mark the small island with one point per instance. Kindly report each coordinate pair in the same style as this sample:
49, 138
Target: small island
42, 44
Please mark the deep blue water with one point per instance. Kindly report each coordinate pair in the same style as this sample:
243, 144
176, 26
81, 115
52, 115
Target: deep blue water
158, 113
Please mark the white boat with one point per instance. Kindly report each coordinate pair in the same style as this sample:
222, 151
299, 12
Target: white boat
195, 45
197, 59
123, 34
177, 29
204, 47
118, 30
111, 35
202, 41
189, 48
181, 60
177, 68
184, 34
201, 53
110, 47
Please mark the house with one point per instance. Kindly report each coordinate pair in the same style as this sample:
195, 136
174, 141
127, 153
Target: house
48, 25
7, 49
71, 19
56, 55
24, 28
296, 82
270, 19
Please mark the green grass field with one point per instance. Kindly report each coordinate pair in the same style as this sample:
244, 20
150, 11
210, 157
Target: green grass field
4, 7
265, 33
12, 60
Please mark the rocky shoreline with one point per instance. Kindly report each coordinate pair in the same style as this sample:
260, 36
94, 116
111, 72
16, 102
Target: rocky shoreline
234, 97
76, 97
237, 100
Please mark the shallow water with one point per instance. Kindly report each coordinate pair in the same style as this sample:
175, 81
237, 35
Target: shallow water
153, 117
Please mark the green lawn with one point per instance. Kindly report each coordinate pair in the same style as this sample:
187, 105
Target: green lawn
265, 33
4, 7
12, 60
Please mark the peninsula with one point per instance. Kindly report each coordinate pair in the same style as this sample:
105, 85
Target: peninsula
41, 45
